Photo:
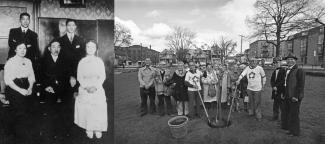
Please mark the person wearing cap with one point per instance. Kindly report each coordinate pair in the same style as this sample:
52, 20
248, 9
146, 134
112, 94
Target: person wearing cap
294, 93
277, 84
256, 82
146, 77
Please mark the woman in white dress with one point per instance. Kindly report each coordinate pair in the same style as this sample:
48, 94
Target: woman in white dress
90, 104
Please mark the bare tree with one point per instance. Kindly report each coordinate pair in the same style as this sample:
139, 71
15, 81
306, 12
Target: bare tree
224, 47
122, 35
180, 40
276, 19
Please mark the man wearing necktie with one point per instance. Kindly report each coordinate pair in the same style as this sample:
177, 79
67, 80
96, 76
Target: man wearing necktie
294, 93
23, 34
73, 50
277, 84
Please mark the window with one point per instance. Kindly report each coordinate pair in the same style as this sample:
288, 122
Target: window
303, 46
320, 38
320, 49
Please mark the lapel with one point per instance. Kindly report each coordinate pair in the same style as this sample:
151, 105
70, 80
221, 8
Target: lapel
293, 69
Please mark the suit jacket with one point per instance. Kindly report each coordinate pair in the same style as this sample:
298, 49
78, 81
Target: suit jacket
72, 52
280, 79
295, 83
54, 74
30, 38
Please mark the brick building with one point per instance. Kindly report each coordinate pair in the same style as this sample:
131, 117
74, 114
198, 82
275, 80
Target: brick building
308, 46
137, 53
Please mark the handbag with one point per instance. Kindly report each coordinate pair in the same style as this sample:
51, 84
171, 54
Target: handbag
212, 92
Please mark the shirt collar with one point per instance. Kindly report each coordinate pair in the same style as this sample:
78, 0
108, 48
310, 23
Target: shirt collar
70, 34
23, 29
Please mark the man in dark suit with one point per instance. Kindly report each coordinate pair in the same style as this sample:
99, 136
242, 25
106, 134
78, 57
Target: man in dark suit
54, 74
73, 49
294, 93
277, 84
55, 80
23, 34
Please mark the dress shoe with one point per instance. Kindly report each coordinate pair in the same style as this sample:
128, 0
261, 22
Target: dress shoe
90, 134
98, 134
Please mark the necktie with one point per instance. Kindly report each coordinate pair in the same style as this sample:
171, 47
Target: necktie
71, 39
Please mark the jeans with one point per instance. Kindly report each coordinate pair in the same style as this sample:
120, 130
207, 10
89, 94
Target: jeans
194, 103
254, 104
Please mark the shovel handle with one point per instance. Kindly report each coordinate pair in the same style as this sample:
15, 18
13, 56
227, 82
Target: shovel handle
232, 103
205, 110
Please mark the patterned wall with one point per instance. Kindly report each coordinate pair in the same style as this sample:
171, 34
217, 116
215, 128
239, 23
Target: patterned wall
95, 9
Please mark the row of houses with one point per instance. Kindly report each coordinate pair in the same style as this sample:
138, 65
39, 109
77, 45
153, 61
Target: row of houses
135, 54
307, 45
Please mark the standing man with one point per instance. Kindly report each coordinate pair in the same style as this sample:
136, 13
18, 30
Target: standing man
73, 49
146, 77
24, 35
192, 80
277, 84
256, 82
294, 93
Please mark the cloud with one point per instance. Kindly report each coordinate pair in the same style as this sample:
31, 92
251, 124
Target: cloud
195, 12
153, 14
154, 35
158, 30
234, 14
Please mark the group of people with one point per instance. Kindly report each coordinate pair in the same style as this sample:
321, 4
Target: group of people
69, 75
243, 83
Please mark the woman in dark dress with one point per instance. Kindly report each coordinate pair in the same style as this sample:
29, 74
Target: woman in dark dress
19, 78
180, 89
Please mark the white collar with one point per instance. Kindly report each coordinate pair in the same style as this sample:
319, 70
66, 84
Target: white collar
23, 29
70, 34
54, 57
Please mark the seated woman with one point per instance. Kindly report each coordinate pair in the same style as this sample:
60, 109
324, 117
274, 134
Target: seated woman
19, 78
90, 104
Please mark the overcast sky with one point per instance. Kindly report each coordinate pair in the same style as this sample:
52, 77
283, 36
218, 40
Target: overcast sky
150, 20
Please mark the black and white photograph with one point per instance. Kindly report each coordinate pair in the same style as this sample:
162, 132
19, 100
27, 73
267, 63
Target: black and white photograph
57, 60
219, 71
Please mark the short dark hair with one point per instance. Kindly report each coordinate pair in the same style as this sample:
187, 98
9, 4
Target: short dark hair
53, 41
24, 14
70, 20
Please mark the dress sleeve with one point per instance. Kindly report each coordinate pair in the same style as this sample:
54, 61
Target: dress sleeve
8, 72
102, 73
80, 73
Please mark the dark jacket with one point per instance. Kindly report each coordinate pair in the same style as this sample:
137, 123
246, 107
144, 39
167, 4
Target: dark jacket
16, 36
295, 83
54, 74
279, 81
72, 52
180, 89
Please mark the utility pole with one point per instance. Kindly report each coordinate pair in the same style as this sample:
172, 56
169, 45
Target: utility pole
323, 51
241, 43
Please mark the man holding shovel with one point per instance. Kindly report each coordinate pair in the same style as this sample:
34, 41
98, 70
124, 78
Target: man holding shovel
192, 80
256, 82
